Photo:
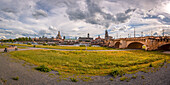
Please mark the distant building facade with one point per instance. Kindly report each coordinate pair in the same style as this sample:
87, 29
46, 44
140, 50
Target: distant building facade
85, 39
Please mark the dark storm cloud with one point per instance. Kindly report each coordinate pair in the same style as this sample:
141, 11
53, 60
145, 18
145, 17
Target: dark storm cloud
10, 10
129, 10
39, 13
122, 17
93, 8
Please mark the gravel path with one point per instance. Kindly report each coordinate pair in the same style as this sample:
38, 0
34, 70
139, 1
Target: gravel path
10, 68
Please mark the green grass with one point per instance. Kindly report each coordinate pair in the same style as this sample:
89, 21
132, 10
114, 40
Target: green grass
65, 47
4, 46
92, 63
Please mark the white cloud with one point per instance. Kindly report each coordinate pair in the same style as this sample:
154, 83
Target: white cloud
78, 17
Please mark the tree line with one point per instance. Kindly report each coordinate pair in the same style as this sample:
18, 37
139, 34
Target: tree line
17, 39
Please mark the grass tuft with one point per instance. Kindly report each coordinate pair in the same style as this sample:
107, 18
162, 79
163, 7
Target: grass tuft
74, 79
116, 72
143, 77
123, 78
15, 78
43, 68
133, 77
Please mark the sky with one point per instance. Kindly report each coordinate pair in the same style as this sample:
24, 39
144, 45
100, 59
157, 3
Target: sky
76, 18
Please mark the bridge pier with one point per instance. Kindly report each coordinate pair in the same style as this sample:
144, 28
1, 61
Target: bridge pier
123, 44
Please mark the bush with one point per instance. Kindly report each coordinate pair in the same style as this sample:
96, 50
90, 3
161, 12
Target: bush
82, 46
15, 78
44, 43
28, 43
151, 65
53, 44
34, 46
43, 68
73, 79
115, 73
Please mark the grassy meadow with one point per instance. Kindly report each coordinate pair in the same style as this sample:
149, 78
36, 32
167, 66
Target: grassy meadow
92, 63
4, 46
65, 47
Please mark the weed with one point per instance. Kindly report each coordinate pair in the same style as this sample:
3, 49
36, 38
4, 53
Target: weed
123, 78
128, 79
86, 79
3, 80
73, 79
15, 78
133, 77
43, 68
115, 73
143, 77
111, 79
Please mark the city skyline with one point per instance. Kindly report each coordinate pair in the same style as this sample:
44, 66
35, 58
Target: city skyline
36, 18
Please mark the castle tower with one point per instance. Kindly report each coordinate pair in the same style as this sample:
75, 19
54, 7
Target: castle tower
106, 34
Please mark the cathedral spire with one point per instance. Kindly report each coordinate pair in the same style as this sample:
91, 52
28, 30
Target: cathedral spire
106, 34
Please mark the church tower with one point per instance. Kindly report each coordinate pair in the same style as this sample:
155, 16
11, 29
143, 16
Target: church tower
106, 34
58, 36
88, 35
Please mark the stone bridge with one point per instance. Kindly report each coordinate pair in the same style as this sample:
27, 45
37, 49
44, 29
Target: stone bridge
147, 43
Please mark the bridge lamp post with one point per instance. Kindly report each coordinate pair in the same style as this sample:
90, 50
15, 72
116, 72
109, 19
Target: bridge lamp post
134, 32
141, 34
163, 33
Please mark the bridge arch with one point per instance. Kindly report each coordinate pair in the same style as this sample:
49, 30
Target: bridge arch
117, 44
165, 47
135, 45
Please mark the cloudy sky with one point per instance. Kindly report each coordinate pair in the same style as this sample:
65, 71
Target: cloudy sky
35, 18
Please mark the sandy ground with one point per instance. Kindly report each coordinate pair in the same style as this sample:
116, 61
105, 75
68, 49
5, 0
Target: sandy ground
10, 68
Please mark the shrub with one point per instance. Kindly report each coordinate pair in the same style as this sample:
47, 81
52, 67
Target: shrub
73, 79
53, 44
34, 46
15, 78
28, 43
44, 43
115, 73
82, 45
151, 65
43, 68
